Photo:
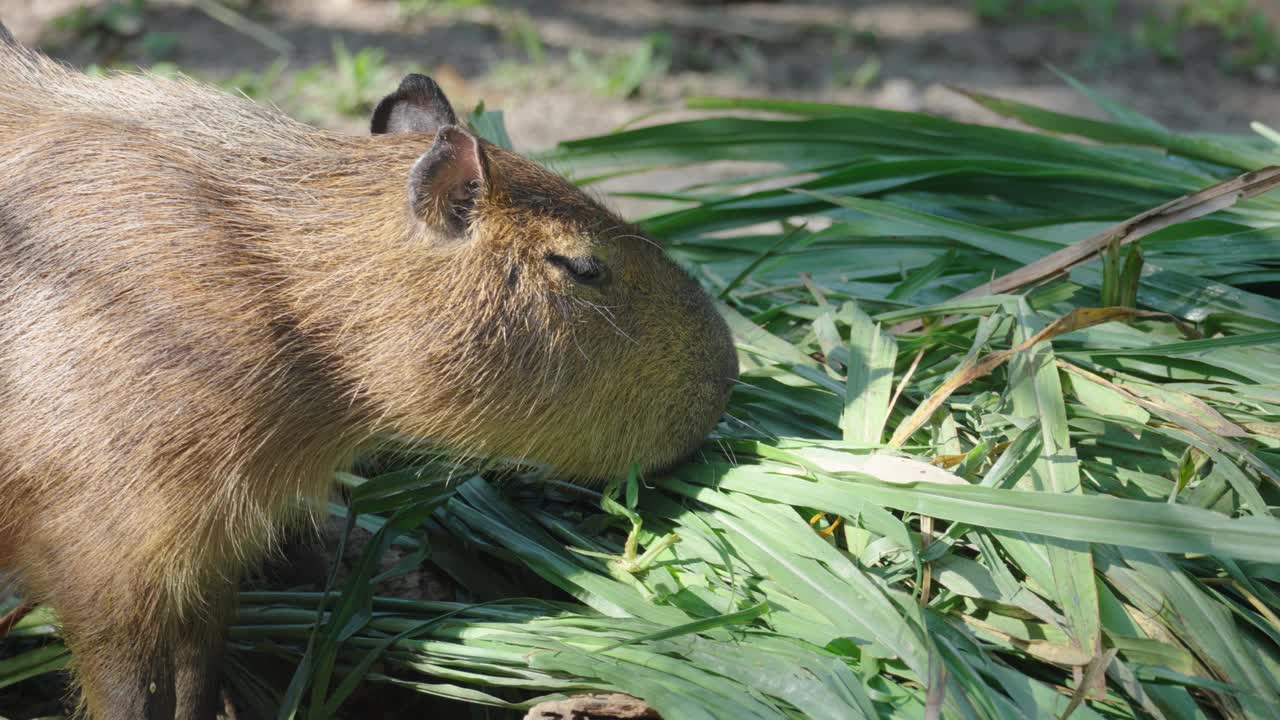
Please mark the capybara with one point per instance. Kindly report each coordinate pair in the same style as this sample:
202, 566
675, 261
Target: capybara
206, 308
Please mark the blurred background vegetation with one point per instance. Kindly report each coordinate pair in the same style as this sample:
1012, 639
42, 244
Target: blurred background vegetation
569, 69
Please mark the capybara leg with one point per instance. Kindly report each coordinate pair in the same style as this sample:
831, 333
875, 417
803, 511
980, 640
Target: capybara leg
120, 677
198, 653
116, 613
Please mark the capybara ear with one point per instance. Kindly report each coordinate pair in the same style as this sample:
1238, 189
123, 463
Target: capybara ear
447, 179
418, 105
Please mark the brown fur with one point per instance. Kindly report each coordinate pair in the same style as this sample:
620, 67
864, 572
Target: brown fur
206, 308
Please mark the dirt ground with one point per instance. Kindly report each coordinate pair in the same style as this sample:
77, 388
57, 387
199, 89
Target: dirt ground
888, 53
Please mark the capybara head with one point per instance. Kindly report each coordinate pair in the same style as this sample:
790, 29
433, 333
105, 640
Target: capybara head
506, 313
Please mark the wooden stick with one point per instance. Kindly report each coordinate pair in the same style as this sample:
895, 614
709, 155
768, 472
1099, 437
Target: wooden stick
1189, 207
12, 617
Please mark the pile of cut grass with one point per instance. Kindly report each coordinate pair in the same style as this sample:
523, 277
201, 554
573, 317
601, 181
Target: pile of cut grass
1054, 500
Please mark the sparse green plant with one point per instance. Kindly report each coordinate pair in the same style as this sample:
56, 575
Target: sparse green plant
513, 73
165, 70
349, 87
623, 73
1082, 14
1086, 14
1162, 34
1264, 42
1259, 42
109, 29
158, 45
520, 31
866, 74
260, 86
848, 37
414, 10
360, 78
995, 10
1240, 23
103, 29
749, 61
97, 24
1225, 15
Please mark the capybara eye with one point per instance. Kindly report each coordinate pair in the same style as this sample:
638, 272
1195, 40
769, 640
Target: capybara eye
583, 269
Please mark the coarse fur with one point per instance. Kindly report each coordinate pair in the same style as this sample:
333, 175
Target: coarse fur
206, 308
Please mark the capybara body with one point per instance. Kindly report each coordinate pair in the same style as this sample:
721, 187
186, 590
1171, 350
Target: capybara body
206, 308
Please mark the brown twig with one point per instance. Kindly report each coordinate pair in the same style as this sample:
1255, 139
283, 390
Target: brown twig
1091, 682
906, 377
12, 617
1189, 207
972, 369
